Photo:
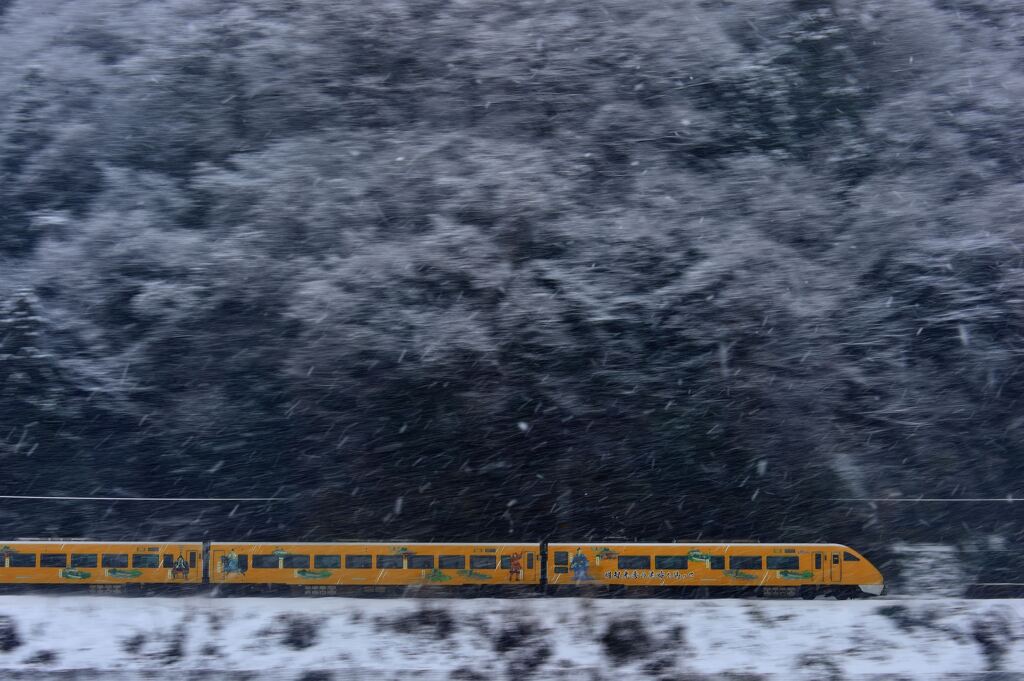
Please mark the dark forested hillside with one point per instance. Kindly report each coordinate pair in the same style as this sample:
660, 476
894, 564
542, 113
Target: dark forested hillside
444, 269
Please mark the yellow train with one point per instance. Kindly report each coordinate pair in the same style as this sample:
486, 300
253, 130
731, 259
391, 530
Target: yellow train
807, 570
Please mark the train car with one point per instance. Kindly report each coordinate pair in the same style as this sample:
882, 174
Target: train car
375, 564
39, 562
784, 569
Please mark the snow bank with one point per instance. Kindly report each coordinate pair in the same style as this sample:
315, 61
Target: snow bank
348, 638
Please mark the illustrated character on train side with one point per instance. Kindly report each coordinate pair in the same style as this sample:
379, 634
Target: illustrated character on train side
515, 567
579, 565
180, 568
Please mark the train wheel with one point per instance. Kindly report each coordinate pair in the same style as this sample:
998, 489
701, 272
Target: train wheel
808, 593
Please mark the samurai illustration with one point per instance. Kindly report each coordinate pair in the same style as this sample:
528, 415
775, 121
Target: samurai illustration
229, 564
579, 565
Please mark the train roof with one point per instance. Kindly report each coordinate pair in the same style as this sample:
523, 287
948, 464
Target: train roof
694, 542
365, 542
166, 542
139, 542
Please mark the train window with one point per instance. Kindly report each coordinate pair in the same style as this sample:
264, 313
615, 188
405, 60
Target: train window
264, 561
168, 560
295, 562
783, 563
243, 564
817, 561
634, 562
389, 562
22, 560
145, 560
529, 560
847, 556
561, 570
83, 560
53, 560
451, 562
744, 562
561, 557
483, 562
835, 559
421, 562
506, 561
359, 562
332, 562
192, 559
115, 560
716, 562
670, 562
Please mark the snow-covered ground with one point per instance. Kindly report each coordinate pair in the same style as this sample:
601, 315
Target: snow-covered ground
491, 639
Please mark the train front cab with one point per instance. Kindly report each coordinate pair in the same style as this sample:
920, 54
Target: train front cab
844, 573
722, 568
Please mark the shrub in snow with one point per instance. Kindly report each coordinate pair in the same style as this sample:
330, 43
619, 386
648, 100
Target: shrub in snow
995, 634
42, 657
316, 675
133, 644
175, 649
435, 622
514, 635
9, 639
625, 640
299, 632
522, 642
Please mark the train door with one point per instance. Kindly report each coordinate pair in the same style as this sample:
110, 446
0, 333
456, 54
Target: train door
836, 567
216, 570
